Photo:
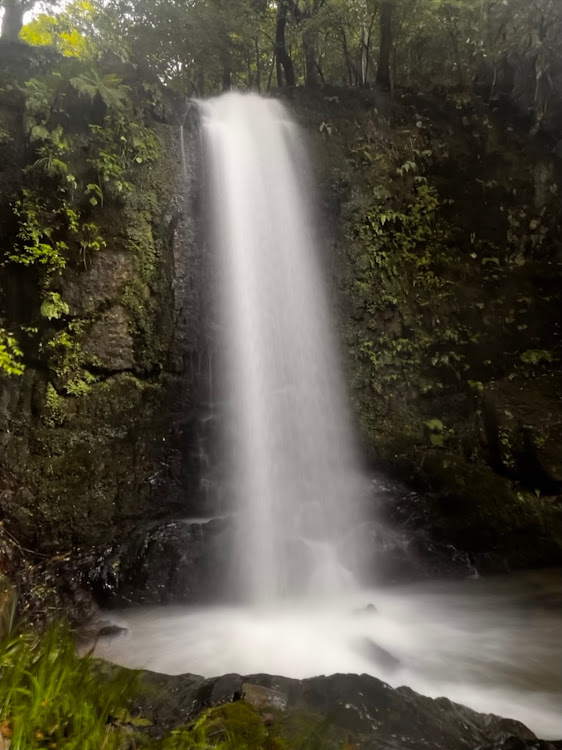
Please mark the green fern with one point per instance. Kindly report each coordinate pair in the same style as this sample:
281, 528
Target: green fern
109, 87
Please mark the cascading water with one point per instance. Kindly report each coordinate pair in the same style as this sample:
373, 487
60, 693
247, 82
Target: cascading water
295, 473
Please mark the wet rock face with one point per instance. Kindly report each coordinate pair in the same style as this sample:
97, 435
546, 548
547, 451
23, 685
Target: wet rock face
448, 231
191, 562
96, 435
101, 282
177, 561
523, 428
109, 342
358, 709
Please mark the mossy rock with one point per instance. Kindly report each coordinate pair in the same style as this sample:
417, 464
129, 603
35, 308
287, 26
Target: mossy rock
473, 508
234, 725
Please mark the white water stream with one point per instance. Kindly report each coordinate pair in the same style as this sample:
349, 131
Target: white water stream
292, 452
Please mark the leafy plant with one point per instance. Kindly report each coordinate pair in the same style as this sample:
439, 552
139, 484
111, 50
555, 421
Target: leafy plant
10, 354
240, 726
108, 87
8, 602
37, 242
436, 432
95, 192
40, 95
435, 425
52, 698
536, 356
67, 360
54, 306
122, 144
90, 239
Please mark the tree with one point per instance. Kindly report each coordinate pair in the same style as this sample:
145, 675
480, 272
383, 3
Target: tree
507, 48
284, 63
385, 50
199, 47
72, 32
12, 20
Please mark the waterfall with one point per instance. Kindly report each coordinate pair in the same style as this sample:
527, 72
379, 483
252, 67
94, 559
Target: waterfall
294, 474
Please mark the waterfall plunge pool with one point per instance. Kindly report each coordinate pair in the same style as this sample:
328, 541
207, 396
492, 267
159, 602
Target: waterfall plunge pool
492, 644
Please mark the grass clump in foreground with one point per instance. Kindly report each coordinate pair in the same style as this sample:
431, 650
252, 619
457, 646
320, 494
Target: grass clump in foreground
52, 698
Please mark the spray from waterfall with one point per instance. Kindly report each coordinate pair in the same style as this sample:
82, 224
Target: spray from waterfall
295, 473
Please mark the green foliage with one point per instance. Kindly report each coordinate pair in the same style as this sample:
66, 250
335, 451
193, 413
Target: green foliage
121, 144
67, 31
198, 47
205, 46
436, 432
40, 95
405, 246
58, 211
5, 137
108, 87
90, 239
536, 356
8, 607
53, 306
38, 243
435, 425
54, 408
68, 361
235, 726
10, 355
240, 726
51, 698
95, 192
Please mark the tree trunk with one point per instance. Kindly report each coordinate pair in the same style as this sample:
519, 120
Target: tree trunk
364, 46
285, 67
347, 57
382, 80
12, 21
258, 64
309, 43
226, 77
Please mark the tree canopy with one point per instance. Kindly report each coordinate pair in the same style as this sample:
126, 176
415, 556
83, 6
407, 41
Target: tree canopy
204, 46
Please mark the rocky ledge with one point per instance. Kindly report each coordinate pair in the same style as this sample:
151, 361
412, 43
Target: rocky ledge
340, 711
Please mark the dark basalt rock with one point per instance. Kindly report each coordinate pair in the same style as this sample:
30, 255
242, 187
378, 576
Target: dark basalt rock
187, 562
361, 710
399, 543
110, 630
177, 561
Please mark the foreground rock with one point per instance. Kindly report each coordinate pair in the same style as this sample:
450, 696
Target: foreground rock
356, 711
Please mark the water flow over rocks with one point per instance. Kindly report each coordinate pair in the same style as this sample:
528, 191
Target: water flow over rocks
295, 474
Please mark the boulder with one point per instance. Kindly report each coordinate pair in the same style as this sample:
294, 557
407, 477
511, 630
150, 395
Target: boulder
353, 710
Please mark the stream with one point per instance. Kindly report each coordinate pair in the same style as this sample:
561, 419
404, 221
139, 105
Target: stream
493, 644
